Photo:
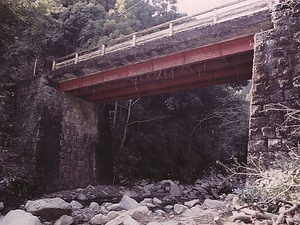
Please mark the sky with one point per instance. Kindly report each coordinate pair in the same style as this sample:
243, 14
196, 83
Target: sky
194, 6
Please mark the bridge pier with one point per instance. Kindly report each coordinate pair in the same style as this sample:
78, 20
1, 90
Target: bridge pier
274, 129
57, 136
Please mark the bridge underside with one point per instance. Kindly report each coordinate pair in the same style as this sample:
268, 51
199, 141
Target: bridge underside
225, 62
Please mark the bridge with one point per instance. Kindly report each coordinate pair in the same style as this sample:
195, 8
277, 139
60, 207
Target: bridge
62, 137
208, 48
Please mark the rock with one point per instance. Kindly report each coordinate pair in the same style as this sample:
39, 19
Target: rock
112, 215
213, 204
128, 203
149, 205
146, 201
153, 223
76, 205
20, 217
200, 189
229, 197
168, 208
115, 207
148, 186
82, 197
175, 190
157, 201
139, 213
160, 212
1, 206
99, 219
198, 181
171, 222
119, 219
191, 203
49, 208
178, 208
64, 220
206, 186
130, 221
94, 205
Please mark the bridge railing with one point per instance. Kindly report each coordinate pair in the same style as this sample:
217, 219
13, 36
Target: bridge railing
218, 14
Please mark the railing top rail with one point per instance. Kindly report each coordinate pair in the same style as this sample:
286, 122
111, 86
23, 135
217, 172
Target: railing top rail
179, 20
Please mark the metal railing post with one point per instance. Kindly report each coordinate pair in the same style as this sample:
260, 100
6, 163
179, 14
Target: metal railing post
76, 57
272, 3
103, 50
215, 16
53, 65
134, 39
171, 30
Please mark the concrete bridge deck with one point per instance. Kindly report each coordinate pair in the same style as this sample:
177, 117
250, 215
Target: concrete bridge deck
213, 47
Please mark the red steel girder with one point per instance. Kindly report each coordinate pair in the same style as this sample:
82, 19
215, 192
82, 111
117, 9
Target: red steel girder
218, 50
200, 67
225, 80
179, 83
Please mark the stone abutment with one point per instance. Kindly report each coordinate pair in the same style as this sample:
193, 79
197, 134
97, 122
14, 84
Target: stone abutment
275, 105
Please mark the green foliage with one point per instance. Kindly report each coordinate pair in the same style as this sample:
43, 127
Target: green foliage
42, 30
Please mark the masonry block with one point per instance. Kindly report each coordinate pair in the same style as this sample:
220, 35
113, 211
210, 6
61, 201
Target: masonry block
268, 132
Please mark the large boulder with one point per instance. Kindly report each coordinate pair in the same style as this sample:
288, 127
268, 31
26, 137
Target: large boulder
49, 208
76, 205
213, 204
128, 203
64, 220
20, 217
179, 209
98, 219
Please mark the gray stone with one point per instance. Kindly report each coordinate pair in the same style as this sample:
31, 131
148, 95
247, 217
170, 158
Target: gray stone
112, 215
160, 212
179, 209
153, 223
146, 200
49, 208
94, 205
115, 207
175, 190
119, 219
139, 213
206, 186
128, 203
130, 221
149, 205
20, 217
64, 220
200, 189
213, 204
191, 203
157, 201
76, 205
168, 208
99, 219
82, 197
1, 206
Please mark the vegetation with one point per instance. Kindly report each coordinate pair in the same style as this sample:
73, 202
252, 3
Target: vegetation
181, 136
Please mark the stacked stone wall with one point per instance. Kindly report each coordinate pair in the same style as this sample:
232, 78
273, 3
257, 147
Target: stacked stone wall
276, 85
56, 136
